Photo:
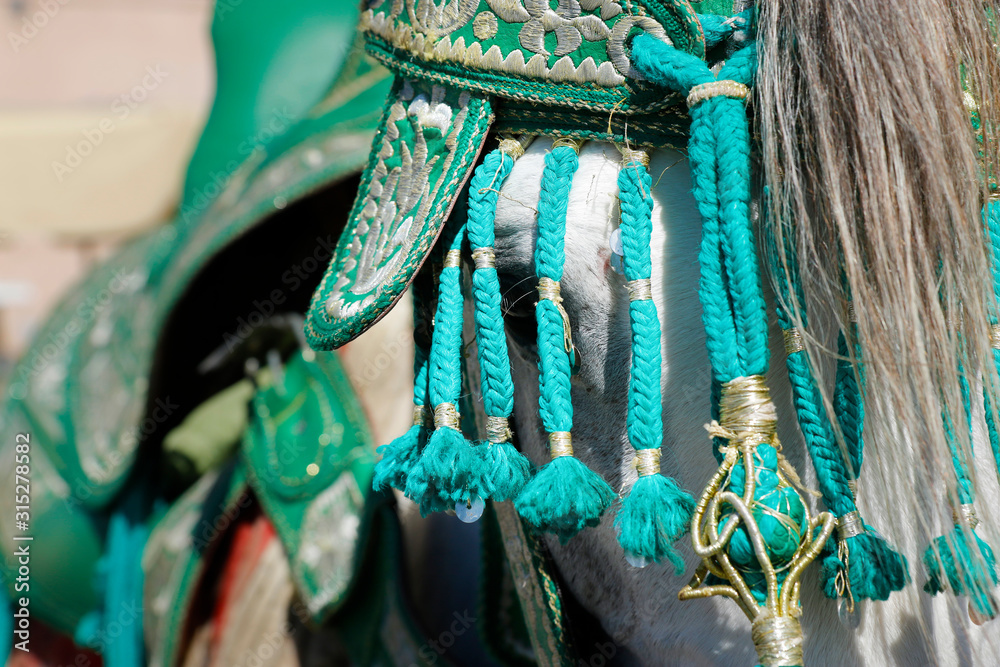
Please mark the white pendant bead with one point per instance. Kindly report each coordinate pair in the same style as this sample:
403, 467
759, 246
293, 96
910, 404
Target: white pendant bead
636, 560
471, 510
848, 618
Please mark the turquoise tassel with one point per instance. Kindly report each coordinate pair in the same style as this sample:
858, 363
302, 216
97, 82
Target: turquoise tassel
121, 583
656, 511
398, 458
652, 516
874, 568
565, 496
951, 565
506, 469
450, 468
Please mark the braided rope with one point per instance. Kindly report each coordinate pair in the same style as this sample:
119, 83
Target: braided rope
564, 496
494, 361
554, 401
991, 218
656, 511
446, 345
645, 420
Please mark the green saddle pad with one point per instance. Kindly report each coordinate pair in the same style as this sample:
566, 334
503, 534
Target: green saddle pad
310, 459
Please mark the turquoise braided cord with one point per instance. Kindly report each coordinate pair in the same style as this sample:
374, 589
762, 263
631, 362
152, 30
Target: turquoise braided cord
506, 470
991, 218
961, 561
446, 344
965, 489
848, 399
449, 469
494, 362
730, 291
656, 511
555, 401
874, 570
828, 460
732, 134
717, 28
645, 420
564, 496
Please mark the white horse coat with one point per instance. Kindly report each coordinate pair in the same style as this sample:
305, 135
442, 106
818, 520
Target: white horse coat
639, 607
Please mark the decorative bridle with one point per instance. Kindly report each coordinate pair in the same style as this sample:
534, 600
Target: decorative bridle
464, 67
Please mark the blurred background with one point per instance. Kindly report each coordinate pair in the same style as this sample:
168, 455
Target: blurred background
101, 104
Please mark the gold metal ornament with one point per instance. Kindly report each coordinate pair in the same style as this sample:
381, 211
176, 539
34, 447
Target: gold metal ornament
748, 420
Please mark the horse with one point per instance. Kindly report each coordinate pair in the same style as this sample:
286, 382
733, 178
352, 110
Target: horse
855, 204
849, 181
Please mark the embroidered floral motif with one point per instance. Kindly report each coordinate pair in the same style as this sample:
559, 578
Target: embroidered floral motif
565, 21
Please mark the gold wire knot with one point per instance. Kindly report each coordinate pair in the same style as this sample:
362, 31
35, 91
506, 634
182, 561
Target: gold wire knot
966, 513
446, 415
747, 418
793, 341
453, 259
640, 289
560, 444
485, 258
634, 155
569, 142
515, 147
710, 89
497, 429
647, 461
422, 416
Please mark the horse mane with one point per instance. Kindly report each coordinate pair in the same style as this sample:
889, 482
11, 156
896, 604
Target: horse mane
875, 176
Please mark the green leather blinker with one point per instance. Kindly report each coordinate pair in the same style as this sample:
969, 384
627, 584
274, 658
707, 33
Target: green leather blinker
310, 459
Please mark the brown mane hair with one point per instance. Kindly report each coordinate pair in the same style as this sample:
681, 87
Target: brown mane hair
875, 175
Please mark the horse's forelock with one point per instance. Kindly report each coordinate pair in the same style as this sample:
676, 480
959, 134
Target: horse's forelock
875, 175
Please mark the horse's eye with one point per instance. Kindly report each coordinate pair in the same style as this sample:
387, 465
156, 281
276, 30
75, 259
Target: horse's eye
518, 298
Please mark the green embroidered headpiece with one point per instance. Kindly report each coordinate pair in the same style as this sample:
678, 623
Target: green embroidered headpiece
464, 67
577, 70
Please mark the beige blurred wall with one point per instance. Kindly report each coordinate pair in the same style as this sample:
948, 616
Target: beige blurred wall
101, 103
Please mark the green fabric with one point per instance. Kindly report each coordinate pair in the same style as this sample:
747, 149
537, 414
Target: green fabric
174, 558
425, 147
309, 458
273, 62
564, 56
62, 590
83, 381
81, 388
208, 435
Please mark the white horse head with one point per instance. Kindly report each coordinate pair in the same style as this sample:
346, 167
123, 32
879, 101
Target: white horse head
639, 607
855, 118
